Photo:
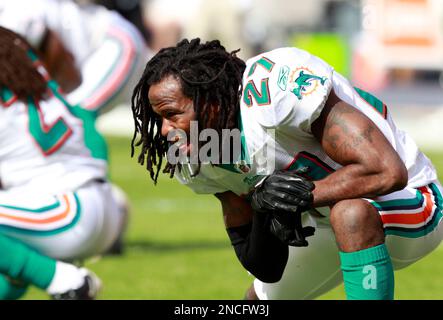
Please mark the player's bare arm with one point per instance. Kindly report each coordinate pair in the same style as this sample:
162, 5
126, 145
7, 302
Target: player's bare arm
236, 210
259, 251
371, 166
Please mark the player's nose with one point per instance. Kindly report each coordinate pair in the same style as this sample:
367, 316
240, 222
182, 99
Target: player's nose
166, 127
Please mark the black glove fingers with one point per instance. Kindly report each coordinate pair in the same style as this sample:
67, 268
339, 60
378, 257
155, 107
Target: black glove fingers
286, 219
289, 229
308, 231
281, 196
281, 231
297, 196
285, 188
298, 243
291, 186
293, 176
289, 208
298, 239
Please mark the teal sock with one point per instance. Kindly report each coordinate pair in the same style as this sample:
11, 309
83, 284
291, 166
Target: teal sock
20, 262
368, 274
10, 290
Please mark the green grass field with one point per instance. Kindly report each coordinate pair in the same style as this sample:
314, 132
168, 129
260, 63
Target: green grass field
177, 248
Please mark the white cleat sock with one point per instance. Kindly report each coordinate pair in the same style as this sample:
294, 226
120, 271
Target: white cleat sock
66, 277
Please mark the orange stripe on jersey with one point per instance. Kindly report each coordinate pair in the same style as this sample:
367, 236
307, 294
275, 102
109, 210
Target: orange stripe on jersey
58, 217
412, 218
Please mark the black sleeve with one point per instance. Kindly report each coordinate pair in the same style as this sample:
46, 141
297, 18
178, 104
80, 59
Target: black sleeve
259, 251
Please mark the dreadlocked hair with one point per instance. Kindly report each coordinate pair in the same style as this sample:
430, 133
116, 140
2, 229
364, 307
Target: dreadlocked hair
208, 74
18, 73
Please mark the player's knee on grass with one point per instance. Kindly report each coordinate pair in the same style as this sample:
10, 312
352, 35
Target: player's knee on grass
356, 224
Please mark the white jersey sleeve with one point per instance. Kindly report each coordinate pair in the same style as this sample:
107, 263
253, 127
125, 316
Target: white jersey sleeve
25, 18
202, 183
286, 88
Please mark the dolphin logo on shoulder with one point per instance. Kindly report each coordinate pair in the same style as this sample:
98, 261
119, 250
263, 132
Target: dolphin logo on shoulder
305, 83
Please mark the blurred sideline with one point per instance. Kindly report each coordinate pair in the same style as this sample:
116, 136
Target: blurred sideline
423, 124
117, 122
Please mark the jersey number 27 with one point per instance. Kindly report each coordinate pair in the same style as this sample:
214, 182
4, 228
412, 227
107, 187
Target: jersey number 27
261, 96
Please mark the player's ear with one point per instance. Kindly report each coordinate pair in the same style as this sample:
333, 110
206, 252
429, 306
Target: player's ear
59, 62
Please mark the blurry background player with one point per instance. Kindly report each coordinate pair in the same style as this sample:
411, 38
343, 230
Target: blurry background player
93, 53
108, 51
132, 11
55, 197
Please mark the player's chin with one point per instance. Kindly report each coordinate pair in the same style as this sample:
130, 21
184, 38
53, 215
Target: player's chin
186, 149
179, 150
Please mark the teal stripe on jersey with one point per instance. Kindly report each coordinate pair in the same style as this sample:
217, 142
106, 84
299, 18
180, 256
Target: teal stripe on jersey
426, 229
400, 203
38, 233
244, 154
38, 210
376, 103
317, 169
32, 55
49, 139
410, 233
244, 147
94, 141
5, 94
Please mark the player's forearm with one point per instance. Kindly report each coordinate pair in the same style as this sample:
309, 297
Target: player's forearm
357, 181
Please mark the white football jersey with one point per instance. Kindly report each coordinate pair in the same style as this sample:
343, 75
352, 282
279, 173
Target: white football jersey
284, 92
81, 27
48, 146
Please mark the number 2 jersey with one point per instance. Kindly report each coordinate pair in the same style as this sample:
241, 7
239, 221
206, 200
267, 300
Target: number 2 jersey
284, 92
48, 145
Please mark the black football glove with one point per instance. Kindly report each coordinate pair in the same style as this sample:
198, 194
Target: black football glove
285, 195
283, 191
288, 228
